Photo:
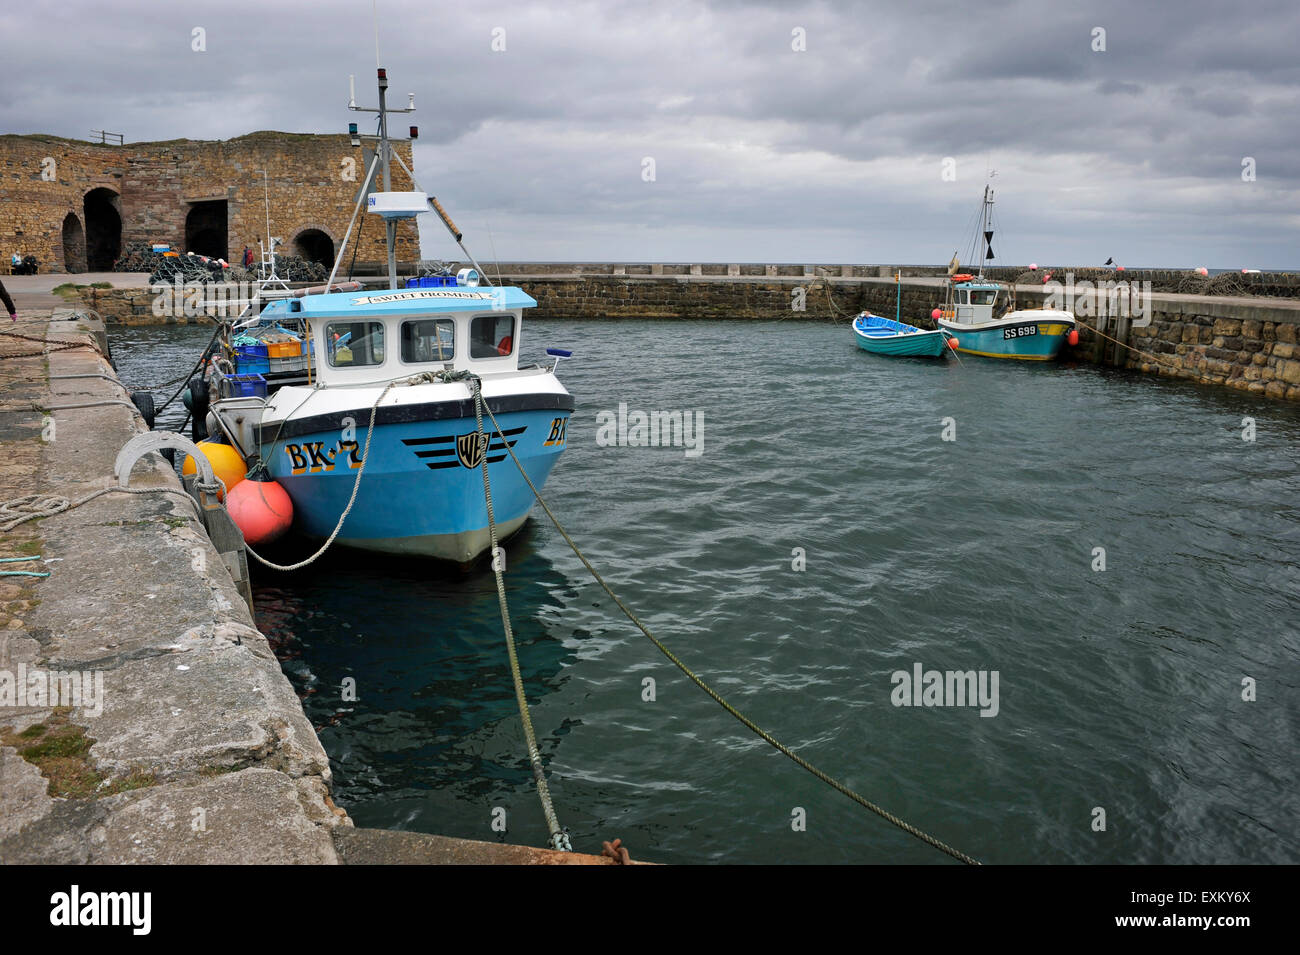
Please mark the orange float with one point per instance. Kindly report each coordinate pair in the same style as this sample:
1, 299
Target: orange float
225, 461
262, 510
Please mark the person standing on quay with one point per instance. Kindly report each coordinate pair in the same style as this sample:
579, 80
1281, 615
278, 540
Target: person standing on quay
9, 303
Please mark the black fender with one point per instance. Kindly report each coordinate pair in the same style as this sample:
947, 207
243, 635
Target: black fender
143, 402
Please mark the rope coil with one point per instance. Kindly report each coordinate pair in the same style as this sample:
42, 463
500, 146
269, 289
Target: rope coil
33, 507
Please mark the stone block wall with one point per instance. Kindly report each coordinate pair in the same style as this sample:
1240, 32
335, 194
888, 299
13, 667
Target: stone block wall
312, 183
1251, 345
1249, 349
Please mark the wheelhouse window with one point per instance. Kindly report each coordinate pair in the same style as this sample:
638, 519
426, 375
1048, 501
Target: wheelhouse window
354, 344
983, 296
492, 336
431, 339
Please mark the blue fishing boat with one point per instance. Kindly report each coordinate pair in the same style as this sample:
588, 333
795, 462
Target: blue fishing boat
377, 418
982, 317
885, 336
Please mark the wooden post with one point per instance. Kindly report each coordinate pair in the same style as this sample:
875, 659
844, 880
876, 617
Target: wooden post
1120, 358
1099, 343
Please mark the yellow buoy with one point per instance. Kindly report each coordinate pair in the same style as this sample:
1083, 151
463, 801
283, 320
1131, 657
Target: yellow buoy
225, 461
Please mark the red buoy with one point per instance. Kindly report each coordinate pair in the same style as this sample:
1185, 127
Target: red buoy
935, 314
262, 510
1073, 337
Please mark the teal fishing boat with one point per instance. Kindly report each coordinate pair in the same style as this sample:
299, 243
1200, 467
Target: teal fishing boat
885, 336
982, 318
970, 316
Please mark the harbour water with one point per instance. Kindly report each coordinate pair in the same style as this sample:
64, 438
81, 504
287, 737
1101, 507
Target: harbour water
1120, 689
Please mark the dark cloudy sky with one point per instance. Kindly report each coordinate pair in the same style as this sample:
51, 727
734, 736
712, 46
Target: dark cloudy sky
761, 152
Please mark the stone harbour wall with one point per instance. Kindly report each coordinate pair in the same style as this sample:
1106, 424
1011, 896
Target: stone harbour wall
1249, 344
194, 748
1245, 343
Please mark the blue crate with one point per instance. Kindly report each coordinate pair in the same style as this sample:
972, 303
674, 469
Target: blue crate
253, 366
250, 351
432, 281
247, 386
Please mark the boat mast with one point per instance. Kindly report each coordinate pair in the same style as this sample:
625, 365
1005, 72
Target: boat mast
385, 159
985, 219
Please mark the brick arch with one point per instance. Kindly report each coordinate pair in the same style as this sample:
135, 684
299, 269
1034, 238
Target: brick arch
307, 243
71, 249
102, 226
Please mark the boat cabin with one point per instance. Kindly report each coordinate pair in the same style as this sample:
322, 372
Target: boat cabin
369, 336
974, 302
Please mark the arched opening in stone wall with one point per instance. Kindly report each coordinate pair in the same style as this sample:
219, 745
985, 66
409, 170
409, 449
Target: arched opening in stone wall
314, 246
205, 229
74, 244
103, 229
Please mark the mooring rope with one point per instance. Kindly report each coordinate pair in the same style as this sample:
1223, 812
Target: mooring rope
197, 365
52, 345
33, 507
1181, 372
21, 573
717, 698
356, 486
418, 379
826, 287
559, 836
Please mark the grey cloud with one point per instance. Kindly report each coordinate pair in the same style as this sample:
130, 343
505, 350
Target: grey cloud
761, 151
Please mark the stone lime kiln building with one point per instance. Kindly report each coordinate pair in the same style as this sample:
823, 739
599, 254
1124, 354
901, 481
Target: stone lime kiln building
75, 205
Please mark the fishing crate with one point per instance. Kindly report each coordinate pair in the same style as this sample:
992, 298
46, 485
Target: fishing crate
281, 365
253, 366
246, 386
251, 360
289, 349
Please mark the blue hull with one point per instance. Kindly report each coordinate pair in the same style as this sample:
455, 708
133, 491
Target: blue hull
422, 490
884, 336
1025, 339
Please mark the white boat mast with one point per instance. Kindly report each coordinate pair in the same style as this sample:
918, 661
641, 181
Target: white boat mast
986, 222
384, 157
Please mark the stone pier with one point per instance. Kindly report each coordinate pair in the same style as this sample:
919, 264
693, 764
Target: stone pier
143, 717
186, 742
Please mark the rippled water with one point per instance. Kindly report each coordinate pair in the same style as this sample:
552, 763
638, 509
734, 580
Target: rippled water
1120, 689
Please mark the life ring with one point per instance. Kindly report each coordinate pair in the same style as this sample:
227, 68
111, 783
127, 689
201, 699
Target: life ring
962, 277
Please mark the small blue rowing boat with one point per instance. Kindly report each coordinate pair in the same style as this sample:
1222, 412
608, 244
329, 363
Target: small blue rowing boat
884, 336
